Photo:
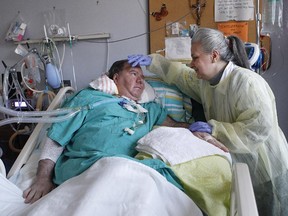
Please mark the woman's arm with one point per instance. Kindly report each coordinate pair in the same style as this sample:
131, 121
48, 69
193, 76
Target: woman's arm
176, 73
169, 122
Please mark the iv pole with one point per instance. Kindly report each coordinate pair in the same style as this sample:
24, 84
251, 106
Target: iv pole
258, 19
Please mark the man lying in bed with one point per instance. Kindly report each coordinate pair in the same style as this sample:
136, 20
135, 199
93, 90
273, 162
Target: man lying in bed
109, 129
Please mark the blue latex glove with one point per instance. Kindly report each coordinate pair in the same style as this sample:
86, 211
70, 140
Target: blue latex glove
139, 59
200, 126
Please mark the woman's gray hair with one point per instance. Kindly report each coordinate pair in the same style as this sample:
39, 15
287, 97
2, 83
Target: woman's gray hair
230, 48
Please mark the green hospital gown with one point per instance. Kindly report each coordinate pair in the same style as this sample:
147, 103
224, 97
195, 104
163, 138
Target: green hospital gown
99, 132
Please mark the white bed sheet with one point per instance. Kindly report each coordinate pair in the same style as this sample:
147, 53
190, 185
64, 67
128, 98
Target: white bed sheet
112, 186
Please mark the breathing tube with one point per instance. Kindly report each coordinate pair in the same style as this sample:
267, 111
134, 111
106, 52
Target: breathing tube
53, 116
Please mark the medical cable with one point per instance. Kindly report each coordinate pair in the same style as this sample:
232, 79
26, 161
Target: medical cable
17, 88
107, 54
49, 48
72, 57
24, 131
142, 34
60, 61
141, 6
39, 104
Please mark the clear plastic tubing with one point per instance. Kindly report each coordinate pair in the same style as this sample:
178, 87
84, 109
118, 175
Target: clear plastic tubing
45, 116
38, 120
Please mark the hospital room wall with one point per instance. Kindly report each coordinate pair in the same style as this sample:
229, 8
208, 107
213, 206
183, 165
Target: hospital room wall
122, 19
277, 74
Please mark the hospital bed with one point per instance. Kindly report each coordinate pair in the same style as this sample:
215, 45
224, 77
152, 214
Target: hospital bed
112, 186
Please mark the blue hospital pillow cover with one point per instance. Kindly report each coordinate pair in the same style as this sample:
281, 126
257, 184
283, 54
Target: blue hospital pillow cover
178, 105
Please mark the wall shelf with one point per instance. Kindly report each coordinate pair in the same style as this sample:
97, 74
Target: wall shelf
67, 39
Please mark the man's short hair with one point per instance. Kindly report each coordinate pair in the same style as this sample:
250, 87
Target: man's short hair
117, 67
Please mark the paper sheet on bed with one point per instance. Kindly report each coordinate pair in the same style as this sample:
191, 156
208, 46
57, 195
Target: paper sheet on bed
112, 186
176, 145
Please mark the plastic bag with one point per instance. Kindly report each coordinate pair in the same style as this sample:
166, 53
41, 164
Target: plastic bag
272, 16
55, 23
176, 29
17, 29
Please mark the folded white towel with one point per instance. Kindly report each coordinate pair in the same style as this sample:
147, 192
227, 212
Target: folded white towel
177, 145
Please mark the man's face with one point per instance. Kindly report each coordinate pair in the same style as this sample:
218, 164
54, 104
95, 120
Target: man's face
130, 82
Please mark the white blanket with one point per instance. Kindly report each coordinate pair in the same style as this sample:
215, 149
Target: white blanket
112, 186
176, 145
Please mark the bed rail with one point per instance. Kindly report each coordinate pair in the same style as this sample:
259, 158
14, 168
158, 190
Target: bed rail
242, 195
2, 168
32, 141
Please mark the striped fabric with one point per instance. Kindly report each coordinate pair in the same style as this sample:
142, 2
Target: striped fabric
169, 96
104, 84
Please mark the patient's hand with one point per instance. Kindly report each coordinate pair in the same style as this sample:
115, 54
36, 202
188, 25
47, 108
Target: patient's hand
37, 190
210, 139
43, 184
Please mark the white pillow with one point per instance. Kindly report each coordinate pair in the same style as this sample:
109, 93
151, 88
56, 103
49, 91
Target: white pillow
107, 85
148, 94
104, 84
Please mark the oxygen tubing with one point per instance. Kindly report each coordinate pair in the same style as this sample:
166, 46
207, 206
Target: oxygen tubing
19, 114
38, 119
12, 138
45, 116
